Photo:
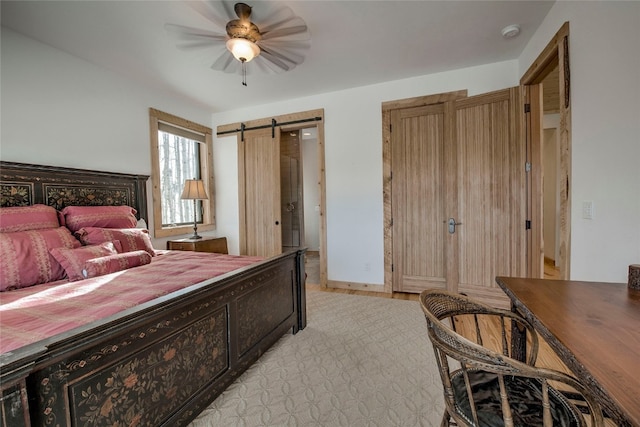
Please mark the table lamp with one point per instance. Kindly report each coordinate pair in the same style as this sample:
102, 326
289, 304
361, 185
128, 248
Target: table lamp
194, 190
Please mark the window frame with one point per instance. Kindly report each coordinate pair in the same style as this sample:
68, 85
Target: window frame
206, 174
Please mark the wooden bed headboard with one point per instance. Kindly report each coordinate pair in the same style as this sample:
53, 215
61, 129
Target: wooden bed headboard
23, 184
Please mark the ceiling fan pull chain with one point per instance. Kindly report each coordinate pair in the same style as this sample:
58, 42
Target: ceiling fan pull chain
244, 73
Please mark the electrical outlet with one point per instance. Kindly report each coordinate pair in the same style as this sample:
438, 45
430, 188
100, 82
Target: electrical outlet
367, 266
587, 210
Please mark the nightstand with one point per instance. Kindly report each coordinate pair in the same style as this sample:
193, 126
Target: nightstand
206, 244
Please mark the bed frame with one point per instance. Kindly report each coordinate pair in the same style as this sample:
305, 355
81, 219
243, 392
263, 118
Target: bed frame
205, 335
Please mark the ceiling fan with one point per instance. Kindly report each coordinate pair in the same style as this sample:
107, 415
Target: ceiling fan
277, 43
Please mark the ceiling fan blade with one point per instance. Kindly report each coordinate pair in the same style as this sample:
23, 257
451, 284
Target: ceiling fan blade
193, 45
290, 51
284, 32
287, 56
189, 33
280, 62
218, 12
226, 62
285, 39
283, 44
263, 66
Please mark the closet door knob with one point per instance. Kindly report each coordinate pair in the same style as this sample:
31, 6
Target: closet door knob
452, 225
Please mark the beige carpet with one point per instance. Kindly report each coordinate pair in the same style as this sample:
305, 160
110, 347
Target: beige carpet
361, 361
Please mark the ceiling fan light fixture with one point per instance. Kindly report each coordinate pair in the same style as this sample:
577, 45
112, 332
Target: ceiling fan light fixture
242, 49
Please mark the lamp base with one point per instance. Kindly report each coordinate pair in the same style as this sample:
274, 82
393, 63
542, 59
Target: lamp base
195, 235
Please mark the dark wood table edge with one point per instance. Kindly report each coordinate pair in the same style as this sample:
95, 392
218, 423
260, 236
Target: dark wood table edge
612, 409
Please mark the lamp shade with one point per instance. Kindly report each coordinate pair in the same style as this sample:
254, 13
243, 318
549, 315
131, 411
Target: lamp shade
242, 49
194, 190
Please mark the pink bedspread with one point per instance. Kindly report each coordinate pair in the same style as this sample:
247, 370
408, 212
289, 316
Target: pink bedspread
31, 314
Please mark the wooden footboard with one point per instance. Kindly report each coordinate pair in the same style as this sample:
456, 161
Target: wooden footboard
161, 363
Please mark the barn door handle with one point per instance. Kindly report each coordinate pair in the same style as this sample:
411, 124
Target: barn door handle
452, 225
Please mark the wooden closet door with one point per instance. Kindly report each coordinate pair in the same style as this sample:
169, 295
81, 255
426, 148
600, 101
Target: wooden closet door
491, 194
462, 160
418, 204
259, 192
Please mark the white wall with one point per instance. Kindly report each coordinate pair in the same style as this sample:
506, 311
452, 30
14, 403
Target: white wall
353, 160
604, 46
63, 111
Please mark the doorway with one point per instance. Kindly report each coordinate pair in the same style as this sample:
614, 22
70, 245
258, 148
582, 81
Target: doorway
548, 85
259, 184
299, 191
291, 191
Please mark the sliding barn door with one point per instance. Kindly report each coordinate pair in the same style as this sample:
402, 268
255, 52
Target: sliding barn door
259, 193
459, 195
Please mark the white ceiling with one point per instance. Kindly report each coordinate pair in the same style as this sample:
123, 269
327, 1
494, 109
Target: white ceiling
353, 43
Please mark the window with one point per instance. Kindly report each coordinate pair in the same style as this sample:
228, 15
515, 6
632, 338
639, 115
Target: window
180, 150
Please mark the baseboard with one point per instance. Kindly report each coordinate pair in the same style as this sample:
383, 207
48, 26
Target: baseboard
355, 286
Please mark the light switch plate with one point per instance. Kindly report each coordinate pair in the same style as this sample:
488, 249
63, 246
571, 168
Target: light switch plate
587, 210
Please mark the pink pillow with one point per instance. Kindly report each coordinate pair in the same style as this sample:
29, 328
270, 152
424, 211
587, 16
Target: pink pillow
72, 260
24, 218
77, 217
112, 263
131, 239
26, 258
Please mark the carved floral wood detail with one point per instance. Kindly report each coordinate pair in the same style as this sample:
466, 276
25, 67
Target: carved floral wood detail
15, 194
61, 196
25, 184
166, 372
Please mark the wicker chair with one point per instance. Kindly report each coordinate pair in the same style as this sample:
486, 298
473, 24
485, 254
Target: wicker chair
483, 385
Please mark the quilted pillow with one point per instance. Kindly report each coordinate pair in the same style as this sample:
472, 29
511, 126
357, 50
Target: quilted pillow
77, 217
131, 239
72, 260
24, 218
26, 257
112, 263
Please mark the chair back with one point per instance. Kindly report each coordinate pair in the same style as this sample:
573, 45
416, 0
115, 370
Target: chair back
483, 384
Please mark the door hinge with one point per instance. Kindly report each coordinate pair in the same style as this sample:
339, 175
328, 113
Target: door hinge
392, 268
527, 167
391, 222
527, 108
390, 128
527, 224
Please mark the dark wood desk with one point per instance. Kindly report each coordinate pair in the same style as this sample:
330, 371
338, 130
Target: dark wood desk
595, 329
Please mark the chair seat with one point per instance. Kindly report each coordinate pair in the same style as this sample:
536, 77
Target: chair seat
524, 400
